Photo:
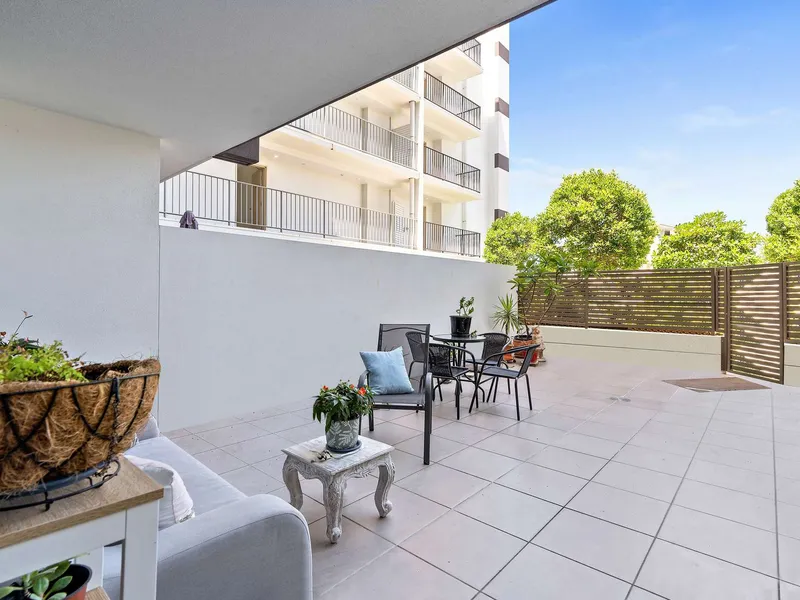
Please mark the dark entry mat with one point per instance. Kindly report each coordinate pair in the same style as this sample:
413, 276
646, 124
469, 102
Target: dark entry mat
717, 384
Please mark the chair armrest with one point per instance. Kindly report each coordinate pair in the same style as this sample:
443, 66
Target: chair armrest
258, 547
363, 380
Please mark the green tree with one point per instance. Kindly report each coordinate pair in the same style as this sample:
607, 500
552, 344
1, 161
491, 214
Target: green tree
510, 240
596, 216
783, 227
710, 240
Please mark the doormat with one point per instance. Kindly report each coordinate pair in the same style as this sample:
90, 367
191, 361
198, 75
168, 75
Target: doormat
717, 384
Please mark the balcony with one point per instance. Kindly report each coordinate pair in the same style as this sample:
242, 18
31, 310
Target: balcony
472, 48
224, 203
334, 139
449, 179
452, 240
449, 112
459, 63
393, 94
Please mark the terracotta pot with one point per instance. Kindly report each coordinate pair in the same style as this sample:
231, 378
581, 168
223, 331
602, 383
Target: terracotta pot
520, 340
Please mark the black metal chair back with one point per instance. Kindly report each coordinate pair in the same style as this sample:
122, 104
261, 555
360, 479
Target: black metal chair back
391, 336
526, 362
495, 343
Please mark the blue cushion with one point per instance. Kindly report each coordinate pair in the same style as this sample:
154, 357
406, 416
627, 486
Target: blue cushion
387, 372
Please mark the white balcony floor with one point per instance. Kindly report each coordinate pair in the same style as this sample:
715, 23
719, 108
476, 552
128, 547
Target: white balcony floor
616, 485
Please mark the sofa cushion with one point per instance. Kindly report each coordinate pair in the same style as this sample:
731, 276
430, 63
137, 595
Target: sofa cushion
207, 489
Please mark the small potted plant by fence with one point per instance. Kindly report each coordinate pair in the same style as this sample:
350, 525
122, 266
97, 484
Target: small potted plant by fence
61, 581
540, 281
342, 407
506, 317
461, 322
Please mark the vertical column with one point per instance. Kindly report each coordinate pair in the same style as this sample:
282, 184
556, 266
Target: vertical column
364, 214
416, 190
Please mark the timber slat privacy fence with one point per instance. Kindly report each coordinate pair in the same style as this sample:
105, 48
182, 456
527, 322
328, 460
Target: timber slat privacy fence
756, 308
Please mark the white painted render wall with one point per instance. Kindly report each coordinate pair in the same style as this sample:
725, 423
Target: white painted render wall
678, 350
248, 322
791, 364
79, 215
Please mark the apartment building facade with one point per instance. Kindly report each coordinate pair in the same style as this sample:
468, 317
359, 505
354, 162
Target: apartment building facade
417, 161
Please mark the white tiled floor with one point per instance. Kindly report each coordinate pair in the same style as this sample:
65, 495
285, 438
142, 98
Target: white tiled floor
616, 486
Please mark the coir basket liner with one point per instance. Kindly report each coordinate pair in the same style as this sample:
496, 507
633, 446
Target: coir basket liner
52, 430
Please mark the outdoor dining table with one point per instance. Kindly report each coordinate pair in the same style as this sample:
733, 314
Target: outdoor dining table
458, 341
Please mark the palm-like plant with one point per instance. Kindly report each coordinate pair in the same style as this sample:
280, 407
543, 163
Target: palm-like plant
505, 315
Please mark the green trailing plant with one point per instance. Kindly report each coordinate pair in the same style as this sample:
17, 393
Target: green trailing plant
542, 279
22, 359
342, 403
46, 584
505, 315
465, 307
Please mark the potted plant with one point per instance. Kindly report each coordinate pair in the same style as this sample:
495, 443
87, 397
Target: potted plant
540, 280
61, 581
461, 322
342, 406
506, 317
63, 417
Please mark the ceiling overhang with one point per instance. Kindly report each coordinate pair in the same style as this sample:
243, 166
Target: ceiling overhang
204, 76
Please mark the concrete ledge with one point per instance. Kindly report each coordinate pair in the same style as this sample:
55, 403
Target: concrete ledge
791, 364
679, 350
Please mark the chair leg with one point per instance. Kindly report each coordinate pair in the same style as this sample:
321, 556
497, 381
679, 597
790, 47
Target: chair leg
528, 383
516, 394
371, 421
497, 385
426, 434
458, 400
508, 383
439, 385
491, 387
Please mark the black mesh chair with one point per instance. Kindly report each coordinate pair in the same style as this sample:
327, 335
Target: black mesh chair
391, 337
418, 344
494, 344
489, 369
444, 364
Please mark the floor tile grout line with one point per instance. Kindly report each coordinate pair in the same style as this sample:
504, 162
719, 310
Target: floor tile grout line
669, 509
563, 507
775, 483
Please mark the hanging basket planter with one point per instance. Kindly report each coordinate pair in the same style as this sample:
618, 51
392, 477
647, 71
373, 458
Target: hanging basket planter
53, 430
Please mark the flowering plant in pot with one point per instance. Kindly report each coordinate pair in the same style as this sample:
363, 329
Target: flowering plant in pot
461, 322
61, 581
342, 406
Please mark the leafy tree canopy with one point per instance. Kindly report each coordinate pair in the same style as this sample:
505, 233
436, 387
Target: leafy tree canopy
710, 240
597, 216
510, 240
783, 227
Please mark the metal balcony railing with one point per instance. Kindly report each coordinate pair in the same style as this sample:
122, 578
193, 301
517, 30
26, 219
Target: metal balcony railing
349, 130
443, 238
452, 101
408, 78
472, 48
451, 169
238, 204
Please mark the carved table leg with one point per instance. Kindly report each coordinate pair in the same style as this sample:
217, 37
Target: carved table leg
292, 482
385, 480
333, 498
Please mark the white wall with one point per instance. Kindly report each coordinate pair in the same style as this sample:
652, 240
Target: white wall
791, 364
682, 351
79, 214
247, 322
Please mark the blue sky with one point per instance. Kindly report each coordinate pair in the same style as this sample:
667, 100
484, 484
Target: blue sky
696, 102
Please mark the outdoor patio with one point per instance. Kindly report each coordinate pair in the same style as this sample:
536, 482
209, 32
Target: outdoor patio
617, 485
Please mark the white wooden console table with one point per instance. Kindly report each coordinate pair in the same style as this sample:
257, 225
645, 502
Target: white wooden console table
125, 508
